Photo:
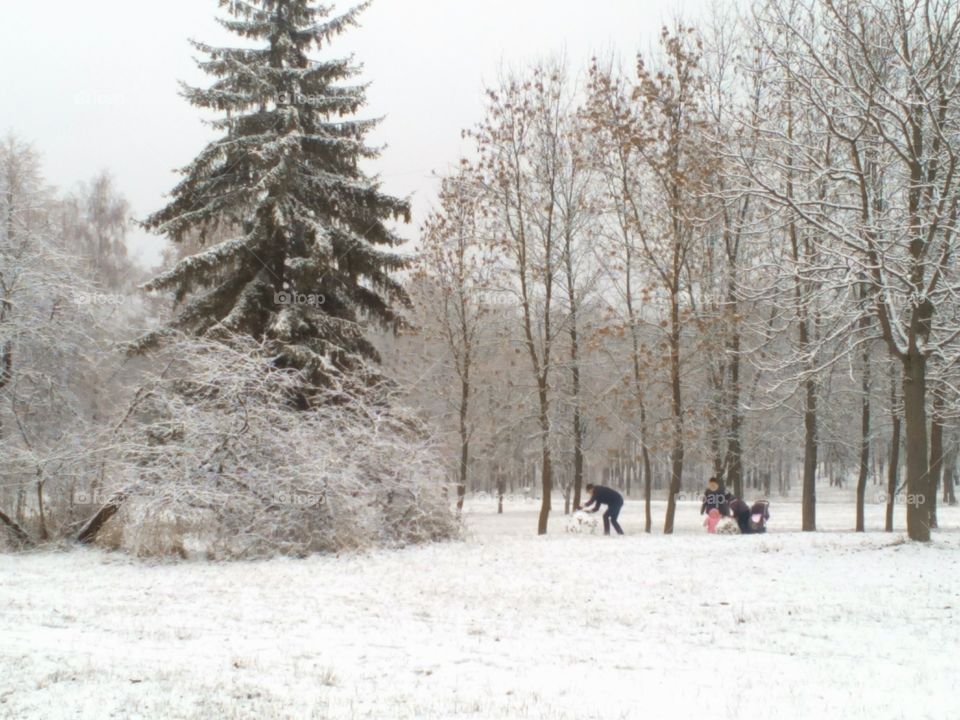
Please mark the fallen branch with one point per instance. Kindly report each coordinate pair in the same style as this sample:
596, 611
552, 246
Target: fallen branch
18, 532
89, 532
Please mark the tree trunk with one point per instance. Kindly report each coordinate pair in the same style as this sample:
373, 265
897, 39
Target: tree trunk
647, 474
809, 485
44, 535
89, 532
501, 490
638, 390
546, 477
676, 454
578, 428
18, 532
893, 470
864, 440
936, 454
464, 442
734, 460
715, 414
915, 421
21, 504
809, 490
950, 473
578, 432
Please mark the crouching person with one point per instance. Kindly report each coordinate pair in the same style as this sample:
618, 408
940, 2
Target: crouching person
600, 495
741, 513
750, 519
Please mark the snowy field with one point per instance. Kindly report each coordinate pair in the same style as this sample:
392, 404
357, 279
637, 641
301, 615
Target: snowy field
503, 625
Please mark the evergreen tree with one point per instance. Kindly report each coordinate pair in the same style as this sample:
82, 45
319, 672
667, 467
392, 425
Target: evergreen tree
309, 254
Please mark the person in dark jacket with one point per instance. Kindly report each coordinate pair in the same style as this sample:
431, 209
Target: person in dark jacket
714, 498
600, 495
740, 512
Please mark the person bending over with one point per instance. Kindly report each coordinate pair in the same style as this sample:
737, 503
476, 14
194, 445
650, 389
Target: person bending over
600, 495
741, 513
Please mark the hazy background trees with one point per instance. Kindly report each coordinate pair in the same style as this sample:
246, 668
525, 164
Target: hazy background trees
60, 314
732, 255
772, 207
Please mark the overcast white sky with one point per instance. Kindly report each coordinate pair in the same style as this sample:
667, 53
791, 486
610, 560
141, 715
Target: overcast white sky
93, 84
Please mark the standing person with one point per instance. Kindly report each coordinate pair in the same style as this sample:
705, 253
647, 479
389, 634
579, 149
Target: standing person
601, 495
714, 499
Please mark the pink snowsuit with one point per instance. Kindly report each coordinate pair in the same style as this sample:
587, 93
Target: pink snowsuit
713, 519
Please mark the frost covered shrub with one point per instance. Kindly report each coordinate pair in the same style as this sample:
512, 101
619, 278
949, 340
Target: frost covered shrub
217, 461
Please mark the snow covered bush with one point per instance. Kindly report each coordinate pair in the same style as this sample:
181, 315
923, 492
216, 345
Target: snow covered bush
215, 459
59, 371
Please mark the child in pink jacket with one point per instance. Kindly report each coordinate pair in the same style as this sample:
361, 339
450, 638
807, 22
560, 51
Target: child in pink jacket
713, 519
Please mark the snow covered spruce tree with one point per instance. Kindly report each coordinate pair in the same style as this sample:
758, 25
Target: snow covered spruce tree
309, 250
270, 389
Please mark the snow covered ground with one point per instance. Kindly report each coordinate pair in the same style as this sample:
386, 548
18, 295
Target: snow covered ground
503, 625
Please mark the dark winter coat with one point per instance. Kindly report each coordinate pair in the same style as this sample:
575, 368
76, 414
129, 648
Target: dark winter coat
604, 496
714, 500
741, 513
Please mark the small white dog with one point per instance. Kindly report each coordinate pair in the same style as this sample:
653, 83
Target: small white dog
728, 526
583, 522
